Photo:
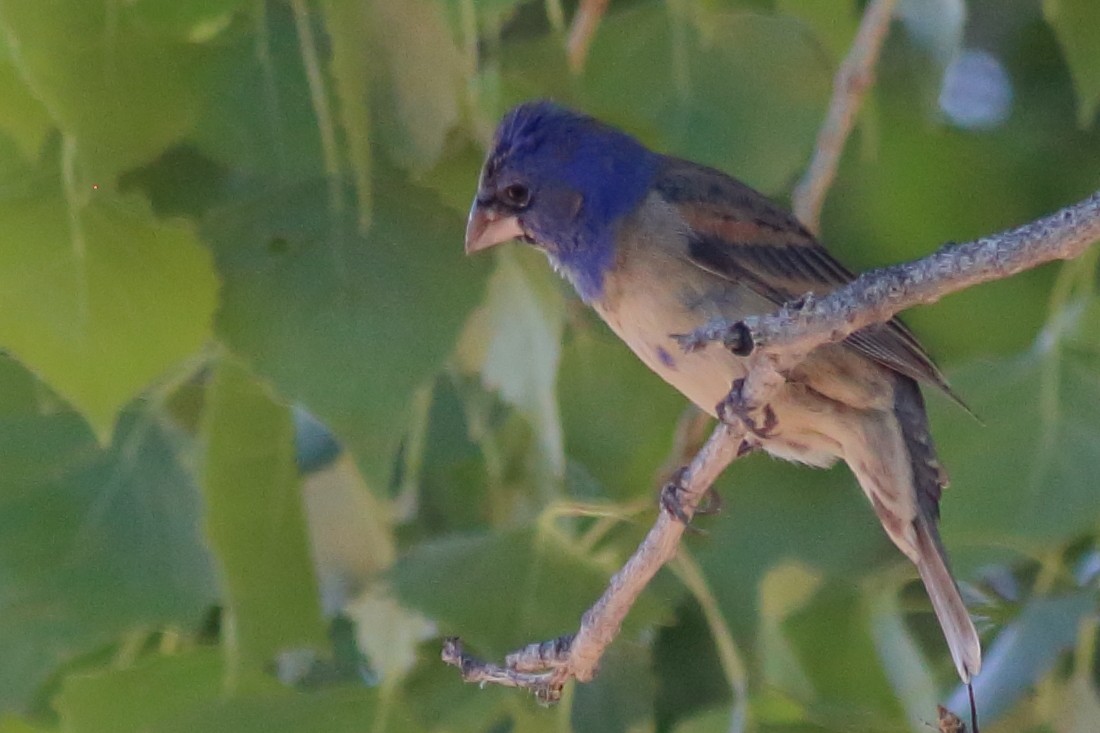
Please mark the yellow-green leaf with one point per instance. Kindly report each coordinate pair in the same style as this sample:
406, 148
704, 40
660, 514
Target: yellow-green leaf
120, 89
256, 524
1077, 25
100, 299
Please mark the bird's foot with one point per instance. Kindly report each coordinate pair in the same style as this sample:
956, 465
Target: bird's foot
733, 335
672, 500
734, 409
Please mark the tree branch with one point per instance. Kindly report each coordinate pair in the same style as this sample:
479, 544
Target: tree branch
782, 339
853, 78
547, 666
586, 20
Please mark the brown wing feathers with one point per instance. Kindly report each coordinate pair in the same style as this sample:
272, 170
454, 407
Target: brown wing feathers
739, 234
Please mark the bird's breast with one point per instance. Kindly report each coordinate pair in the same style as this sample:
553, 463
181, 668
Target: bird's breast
647, 306
648, 303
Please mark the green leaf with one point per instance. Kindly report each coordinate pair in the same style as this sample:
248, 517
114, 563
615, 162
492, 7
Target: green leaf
937, 25
184, 693
196, 21
328, 711
901, 658
718, 721
690, 674
351, 529
1077, 25
709, 721
618, 416
137, 698
503, 591
129, 296
1082, 707
834, 22
526, 718
345, 23
258, 119
724, 98
445, 702
454, 488
832, 636
424, 73
620, 699
1024, 481
22, 116
388, 634
1024, 652
347, 324
488, 14
10, 724
777, 513
255, 523
454, 179
120, 90
93, 541
784, 591
519, 338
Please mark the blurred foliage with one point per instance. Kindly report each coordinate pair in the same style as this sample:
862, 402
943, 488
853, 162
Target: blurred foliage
266, 436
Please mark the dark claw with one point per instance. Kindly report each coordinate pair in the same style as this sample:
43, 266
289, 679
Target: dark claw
672, 500
670, 496
738, 339
733, 408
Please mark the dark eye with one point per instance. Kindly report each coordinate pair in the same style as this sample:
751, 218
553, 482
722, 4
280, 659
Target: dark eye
516, 195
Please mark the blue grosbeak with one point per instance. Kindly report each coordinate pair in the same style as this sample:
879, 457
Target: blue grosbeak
658, 246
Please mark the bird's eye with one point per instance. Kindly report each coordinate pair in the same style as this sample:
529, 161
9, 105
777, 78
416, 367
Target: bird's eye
517, 195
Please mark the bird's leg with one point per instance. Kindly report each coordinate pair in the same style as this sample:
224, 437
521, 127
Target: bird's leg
672, 499
735, 409
672, 492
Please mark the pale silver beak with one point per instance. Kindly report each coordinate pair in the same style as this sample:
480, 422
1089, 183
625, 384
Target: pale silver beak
486, 228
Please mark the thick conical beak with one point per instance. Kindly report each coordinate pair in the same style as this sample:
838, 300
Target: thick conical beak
486, 228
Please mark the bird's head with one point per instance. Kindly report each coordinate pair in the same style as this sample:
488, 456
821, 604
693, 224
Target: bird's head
562, 181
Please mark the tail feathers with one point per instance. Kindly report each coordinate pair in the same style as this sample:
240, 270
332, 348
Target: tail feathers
962, 638
929, 479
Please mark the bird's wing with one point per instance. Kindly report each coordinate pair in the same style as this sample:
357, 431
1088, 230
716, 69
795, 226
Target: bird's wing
738, 234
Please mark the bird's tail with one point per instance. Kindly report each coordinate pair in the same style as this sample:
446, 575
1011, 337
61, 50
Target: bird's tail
962, 638
929, 479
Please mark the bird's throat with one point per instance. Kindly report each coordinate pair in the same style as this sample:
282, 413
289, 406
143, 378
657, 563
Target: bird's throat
585, 266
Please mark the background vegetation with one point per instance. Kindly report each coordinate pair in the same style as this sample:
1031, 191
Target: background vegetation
266, 435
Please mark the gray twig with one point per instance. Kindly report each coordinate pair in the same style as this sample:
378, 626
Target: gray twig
853, 78
582, 30
482, 673
547, 666
782, 339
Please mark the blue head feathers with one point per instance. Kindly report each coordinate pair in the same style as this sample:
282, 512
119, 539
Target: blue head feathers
579, 177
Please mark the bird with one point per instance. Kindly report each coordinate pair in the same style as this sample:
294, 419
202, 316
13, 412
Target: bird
659, 246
